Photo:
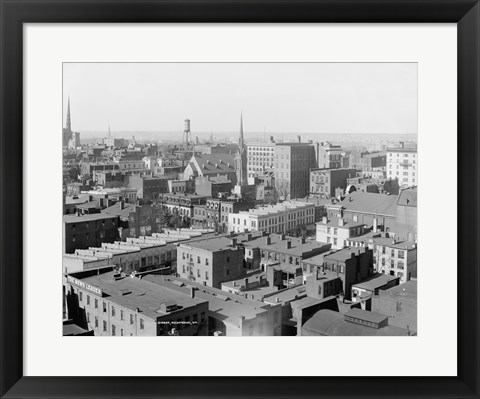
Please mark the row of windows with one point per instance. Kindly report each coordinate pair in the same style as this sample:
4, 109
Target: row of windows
273, 255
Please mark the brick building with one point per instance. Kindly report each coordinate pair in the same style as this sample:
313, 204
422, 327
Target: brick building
114, 304
83, 231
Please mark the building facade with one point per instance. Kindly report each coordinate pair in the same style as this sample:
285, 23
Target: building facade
324, 182
402, 163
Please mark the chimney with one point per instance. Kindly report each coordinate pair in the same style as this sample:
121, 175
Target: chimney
245, 282
90, 198
192, 292
269, 240
289, 244
249, 236
299, 138
324, 220
375, 226
122, 204
234, 242
341, 222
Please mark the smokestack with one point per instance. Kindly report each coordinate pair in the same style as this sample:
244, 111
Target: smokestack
299, 138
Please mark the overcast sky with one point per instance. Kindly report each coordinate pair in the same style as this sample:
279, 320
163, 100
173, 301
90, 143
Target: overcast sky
277, 97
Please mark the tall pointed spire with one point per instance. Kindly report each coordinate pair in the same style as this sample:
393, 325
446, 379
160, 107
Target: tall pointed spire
69, 122
240, 140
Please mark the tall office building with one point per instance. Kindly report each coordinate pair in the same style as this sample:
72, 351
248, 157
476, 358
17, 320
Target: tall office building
402, 163
292, 165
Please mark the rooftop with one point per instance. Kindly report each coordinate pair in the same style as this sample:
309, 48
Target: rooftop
407, 289
86, 218
335, 222
408, 197
133, 293
375, 282
219, 243
117, 209
329, 322
372, 203
344, 254
221, 304
297, 247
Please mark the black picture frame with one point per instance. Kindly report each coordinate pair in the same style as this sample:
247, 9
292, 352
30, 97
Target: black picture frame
14, 13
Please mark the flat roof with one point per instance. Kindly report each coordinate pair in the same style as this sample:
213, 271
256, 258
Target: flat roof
86, 218
297, 248
226, 306
218, 243
347, 223
366, 315
343, 254
371, 203
375, 282
144, 295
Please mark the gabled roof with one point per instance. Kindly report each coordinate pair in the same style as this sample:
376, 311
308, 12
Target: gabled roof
208, 164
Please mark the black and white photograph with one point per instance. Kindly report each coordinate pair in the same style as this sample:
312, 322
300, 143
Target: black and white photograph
240, 199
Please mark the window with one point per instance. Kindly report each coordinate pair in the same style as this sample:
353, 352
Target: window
104, 326
142, 326
131, 319
121, 332
207, 261
113, 329
121, 314
198, 259
88, 299
206, 275
198, 272
96, 303
334, 241
113, 311
392, 263
104, 307
96, 322
80, 296
228, 258
88, 317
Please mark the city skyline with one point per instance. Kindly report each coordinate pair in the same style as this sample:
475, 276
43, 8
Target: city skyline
282, 98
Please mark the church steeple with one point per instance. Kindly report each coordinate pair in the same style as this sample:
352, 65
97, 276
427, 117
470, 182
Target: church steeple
241, 144
69, 122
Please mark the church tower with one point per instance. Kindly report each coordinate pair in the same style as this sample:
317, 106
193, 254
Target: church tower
67, 131
241, 158
69, 122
